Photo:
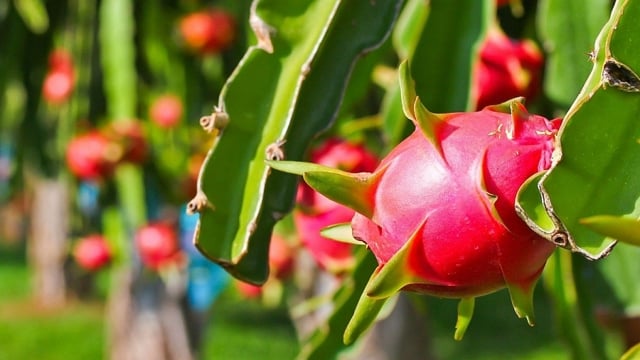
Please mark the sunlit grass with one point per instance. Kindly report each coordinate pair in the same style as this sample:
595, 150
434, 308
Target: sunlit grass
237, 329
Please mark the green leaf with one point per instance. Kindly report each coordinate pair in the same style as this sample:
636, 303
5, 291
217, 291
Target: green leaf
408, 93
632, 354
597, 167
442, 64
340, 232
288, 87
522, 301
408, 30
620, 228
567, 29
34, 14
394, 275
465, 313
352, 190
364, 315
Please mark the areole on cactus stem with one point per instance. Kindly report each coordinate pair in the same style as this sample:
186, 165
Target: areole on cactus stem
438, 212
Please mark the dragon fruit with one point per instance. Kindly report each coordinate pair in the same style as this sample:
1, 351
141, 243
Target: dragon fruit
507, 68
438, 212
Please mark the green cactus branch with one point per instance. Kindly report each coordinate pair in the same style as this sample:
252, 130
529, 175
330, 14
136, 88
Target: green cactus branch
595, 171
285, 90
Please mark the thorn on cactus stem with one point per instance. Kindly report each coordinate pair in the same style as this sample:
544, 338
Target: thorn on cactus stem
274, 151
218, 120
199, 203
262, 31
559, 239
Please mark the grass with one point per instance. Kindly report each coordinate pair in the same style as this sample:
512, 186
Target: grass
30, 332
241, 329
245, 330
237, 329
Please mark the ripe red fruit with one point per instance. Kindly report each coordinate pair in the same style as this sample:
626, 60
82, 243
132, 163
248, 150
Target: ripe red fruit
315, 211
507, 69
208, 31
60, 60
92, 252
248, 291
57, 87
129, 137
449, 203
439, 212
157, 244
166, 111
91, 156
59, 80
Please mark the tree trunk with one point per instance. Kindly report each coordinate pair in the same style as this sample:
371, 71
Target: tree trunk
48, 241
145, 318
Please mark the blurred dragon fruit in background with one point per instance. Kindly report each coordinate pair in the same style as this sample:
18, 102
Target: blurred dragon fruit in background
508, 68
315, 212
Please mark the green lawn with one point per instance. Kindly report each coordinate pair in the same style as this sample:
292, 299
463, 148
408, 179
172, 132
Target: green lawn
244, 330
77, 331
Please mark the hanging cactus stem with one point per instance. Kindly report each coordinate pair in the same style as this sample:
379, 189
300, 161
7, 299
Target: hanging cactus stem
275, 151
217, 121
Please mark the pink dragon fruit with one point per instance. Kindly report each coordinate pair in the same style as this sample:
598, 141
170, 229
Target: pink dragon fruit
438, 213
315, 211
507, 68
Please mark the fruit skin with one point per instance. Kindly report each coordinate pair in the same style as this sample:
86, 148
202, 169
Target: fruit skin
451, 200
315, 211
166, 111
507, 69
92, 252
207, 32
157, 245
91, 156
